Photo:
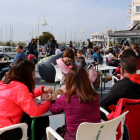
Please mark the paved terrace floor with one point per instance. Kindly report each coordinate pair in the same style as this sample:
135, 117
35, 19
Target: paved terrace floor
58, 120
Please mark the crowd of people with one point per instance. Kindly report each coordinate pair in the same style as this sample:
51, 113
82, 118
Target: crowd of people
78, 97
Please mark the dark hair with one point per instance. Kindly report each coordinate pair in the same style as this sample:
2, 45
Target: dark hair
70, 46
116, 46
129, 63
110, 50
136, 48
31, 50
35, 46
69, 53
77, 82
79, 51
56, 46
21, 71
129, 52
95, 49
20, 47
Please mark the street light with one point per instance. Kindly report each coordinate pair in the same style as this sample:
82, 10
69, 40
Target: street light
81, 35
44, 24
30, 32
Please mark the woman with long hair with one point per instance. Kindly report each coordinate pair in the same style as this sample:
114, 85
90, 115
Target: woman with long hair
80, 102
17, 94
135, 48
110, 54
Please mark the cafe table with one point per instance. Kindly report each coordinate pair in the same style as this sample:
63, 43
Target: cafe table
102, 68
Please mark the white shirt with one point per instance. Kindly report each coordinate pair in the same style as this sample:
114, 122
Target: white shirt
109, 56
58, 51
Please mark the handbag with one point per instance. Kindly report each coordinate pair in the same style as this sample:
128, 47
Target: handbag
96, 84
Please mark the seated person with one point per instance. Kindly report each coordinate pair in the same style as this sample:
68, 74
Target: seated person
35, 52
19, 50
125, 52
79, 60
68, 62
110, 55
17, 94
117, 50
97, 57
128, 87
57, 50
80, 102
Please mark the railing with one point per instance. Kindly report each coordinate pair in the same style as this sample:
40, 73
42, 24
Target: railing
129, 11
129, 25
129, 17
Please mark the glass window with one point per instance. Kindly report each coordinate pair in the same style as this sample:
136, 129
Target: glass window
9, 50
14, 50
137, 9
6, 50
0, 49
6, 56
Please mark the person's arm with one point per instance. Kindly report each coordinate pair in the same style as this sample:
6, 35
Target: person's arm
25, 101
39, 91
15, 58
57, 105
112, 96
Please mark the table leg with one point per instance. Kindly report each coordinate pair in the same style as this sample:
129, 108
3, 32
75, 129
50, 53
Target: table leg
33, 129
54, 87
104, 77
101, 86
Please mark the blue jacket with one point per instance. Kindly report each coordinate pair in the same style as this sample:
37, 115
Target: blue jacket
36, 54
97, 56
19, 55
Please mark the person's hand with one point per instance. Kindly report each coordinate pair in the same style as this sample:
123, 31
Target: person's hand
49, 98
59, 92
47, 90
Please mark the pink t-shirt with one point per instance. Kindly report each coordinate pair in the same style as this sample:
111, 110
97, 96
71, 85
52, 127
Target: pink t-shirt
31, 56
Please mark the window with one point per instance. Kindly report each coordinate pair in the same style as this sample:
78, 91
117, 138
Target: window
9, 50
0, 49
6, 50
14, 50
137, 10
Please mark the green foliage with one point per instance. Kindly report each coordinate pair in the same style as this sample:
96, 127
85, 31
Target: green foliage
2, 44
7, 44
62, 44
83, 43
44, 38
13, 44
70, 43
110, 43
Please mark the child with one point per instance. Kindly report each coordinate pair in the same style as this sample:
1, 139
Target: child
79, 60
68, 62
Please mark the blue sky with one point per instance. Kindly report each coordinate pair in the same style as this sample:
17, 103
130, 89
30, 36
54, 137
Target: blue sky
93, 15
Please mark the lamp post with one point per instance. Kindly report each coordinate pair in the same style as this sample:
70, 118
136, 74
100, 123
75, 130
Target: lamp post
81, 35
30, 32
44, 24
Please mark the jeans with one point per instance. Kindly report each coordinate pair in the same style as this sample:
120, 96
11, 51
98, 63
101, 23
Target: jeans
4, 70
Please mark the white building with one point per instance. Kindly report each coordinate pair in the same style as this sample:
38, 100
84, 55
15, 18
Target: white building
97, 38
134, 12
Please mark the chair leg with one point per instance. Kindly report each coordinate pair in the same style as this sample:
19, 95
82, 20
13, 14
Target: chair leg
33, 129
54, 87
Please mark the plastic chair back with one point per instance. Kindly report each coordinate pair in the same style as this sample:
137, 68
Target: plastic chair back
23, 126
58, 76
138, 71
99, 131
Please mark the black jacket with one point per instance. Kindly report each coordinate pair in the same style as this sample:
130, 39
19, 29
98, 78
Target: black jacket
122, 89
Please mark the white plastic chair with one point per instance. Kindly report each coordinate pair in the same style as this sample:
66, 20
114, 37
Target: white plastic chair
113, 80
58, 76
23, 126
113, 77
93, 131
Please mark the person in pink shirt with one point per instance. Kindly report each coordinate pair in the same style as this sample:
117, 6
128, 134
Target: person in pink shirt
79, 102
31, 54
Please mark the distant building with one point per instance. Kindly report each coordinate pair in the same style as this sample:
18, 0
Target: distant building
135, 13
97, 38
